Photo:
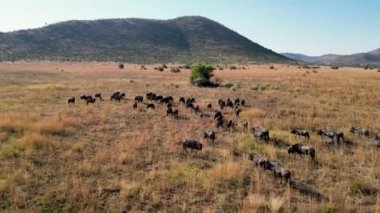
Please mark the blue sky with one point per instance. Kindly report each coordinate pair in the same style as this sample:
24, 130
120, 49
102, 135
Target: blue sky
312, 27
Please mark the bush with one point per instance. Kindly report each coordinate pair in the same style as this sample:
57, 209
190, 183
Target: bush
335, 67
201, 75
233, 68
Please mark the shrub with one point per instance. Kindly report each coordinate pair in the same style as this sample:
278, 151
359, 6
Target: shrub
201, 75
233, 68
335, 67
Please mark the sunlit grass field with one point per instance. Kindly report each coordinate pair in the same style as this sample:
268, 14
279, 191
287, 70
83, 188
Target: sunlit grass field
110, 157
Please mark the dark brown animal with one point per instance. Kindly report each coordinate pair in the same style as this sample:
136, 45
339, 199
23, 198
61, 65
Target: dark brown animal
71, 101
260, 133
98, 95
210, 136
191, 144
300, 132
150, 106
169, 111
301, 149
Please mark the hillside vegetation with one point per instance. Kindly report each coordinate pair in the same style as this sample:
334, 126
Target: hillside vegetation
371, 58
185, 39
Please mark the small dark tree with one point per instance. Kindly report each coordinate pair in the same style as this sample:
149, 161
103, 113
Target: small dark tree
201, 76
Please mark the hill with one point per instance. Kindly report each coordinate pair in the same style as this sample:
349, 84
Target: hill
190, 38
371, 58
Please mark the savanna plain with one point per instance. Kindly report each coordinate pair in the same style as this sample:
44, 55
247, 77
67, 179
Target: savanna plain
110, 157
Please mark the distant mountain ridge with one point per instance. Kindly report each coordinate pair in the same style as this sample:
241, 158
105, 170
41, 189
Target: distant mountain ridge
371, 58
190, 38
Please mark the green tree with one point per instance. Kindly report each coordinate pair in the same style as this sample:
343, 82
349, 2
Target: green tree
201, 75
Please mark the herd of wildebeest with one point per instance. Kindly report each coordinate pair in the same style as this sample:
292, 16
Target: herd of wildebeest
329, 136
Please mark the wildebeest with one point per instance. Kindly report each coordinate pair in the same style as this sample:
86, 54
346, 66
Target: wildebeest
83, 97
230, 125
302, 150
219, 123
300, 132
167, 100
150, 96
135, 105
237, 112
329, 141
242, 102
230, 104
260, 133
359, 131
169, 105
210, 136
237, 101
191, 144
150, 106
375, 142
158, 98
90, 100
182, 100
117, 96
169, 111
332, 134
221, 104
256, 158
71, 101
271, 165
190, 105
283, 174
175, 113
245, 126
197, 109
209, 106
139, 99
218, 115
99, 95
190, 100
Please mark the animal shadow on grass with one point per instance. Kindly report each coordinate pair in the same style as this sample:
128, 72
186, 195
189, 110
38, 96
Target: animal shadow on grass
307, 190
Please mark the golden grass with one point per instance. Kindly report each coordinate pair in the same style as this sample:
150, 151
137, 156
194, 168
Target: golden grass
109, 157
57, 125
